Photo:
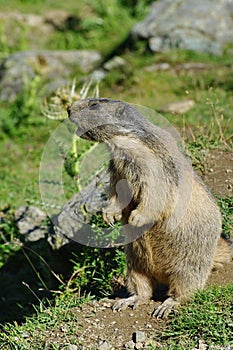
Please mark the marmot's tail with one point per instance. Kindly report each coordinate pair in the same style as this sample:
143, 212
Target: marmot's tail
224, 252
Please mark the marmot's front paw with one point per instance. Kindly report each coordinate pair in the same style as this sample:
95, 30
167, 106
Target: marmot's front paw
138, 218
110, 215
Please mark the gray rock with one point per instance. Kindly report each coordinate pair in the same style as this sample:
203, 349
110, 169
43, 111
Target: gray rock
201, 25
139, 345
73, 222
71, 347
30, 221
115, 62
97, 75
139, 336
104, 345
52, 66
178, 107
23, 30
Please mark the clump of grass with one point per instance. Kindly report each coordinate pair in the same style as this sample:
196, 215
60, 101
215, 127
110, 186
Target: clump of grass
9, 243
226, 207
40, 332
207, 317
96, 271
25, 106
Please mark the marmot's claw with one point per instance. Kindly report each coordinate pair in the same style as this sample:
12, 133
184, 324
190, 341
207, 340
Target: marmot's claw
134, 301
165, 308
110, 217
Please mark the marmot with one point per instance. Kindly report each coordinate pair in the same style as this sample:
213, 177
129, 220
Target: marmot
177, 223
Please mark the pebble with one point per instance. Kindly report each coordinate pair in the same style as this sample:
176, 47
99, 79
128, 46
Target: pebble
72, 347
105, 346
148, 325
139, 337
106, 304
129, 345
178, 107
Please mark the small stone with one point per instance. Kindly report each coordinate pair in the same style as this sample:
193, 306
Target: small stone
158, 67
138, 345
97, 75
139, 336
228, 347
115, 62
30, 221
129, 345
107, 304
201, 346
25, 335
72, 347
178, 107
105, 346
63, 329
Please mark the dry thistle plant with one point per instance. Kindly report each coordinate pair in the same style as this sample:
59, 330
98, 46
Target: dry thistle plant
56, 106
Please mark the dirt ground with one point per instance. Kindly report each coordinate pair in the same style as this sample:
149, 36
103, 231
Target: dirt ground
218, 174
98, 327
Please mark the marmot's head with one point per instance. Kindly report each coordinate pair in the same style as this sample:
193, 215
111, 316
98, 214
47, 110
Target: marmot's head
100, 119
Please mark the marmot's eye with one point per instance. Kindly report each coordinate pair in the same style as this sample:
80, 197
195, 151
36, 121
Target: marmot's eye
94, 105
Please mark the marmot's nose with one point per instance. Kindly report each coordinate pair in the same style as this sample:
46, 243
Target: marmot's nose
69, 110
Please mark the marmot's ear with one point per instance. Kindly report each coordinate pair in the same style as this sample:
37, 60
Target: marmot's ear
120, 111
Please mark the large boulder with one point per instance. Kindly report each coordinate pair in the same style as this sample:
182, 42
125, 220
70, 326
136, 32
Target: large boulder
55, 67
29, 30
200, 25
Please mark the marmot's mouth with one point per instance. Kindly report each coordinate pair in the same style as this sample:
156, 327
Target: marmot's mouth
87, 135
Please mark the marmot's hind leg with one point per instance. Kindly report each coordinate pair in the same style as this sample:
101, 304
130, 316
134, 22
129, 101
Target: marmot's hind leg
141, 289
181, 288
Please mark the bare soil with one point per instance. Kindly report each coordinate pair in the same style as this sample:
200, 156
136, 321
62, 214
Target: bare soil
218, 174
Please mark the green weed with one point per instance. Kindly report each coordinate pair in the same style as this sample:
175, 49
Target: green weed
108, 23
96, 270
9, 243
34, 333
226, 206
26, 104
208, 317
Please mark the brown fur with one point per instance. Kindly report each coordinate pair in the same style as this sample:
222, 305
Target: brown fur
160, 201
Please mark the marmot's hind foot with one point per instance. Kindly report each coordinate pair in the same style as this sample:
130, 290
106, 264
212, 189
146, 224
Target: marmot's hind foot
168, 306
134, 301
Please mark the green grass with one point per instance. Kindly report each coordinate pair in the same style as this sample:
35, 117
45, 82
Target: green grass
101, 25
209, 317
36, 333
